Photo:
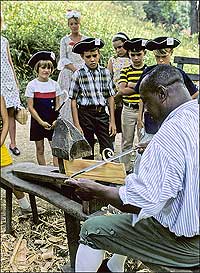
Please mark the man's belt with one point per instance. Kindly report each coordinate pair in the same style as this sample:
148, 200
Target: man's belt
131, 105
96, 108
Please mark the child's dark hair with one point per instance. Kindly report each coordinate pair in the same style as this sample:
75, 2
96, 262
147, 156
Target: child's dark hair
120, 36
91, 50
43, 64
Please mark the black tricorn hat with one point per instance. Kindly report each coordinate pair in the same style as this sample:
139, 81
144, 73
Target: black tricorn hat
42, 56
162, 42
87, 44
135, 44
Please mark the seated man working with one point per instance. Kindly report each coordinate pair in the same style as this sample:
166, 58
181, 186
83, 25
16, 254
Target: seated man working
160, 223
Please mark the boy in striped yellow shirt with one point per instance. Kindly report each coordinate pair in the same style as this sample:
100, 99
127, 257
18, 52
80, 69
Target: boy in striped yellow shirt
128, 79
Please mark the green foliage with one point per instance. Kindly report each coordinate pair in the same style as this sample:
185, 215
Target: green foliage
168, 13
136, 8
40, 25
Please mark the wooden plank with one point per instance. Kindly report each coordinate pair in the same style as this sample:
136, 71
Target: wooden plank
57, 199
38, 173
186, 60
110, 172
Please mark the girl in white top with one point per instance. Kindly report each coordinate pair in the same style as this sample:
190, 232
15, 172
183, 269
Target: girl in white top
115, 64
43, 95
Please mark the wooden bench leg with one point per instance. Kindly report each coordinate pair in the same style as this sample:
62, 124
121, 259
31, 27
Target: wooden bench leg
73, 230
34, 208
8, 210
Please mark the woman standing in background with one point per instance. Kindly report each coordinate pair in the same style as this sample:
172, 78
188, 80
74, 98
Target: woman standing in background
69, 61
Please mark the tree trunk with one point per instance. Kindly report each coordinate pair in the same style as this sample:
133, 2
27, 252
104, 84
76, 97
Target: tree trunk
194, 15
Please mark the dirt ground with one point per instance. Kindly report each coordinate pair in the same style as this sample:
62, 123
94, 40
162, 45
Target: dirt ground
41, 248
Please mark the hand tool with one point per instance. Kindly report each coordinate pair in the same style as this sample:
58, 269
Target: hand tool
90, 168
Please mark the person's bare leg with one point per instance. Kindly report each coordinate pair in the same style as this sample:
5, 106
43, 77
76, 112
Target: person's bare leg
55, 159
12, 127
40, 152
18, 194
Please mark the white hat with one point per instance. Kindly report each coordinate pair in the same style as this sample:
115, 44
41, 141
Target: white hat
73, 13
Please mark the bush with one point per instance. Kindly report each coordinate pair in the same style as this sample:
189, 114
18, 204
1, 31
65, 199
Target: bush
39, 25
168, 13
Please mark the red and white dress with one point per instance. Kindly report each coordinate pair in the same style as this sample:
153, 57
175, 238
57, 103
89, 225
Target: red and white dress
44, 102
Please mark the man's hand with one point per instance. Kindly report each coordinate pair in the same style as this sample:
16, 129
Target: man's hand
85, 189
140, 125
142, 146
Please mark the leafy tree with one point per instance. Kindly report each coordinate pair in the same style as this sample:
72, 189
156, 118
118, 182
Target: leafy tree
39, 25
168, 13
194, 16
136, 7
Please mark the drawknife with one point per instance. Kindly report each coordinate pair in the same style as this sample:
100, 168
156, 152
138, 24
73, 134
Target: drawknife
90, 168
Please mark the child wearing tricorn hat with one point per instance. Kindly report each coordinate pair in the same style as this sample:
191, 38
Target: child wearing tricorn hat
91, 91
43, 96
128, 79
162, 48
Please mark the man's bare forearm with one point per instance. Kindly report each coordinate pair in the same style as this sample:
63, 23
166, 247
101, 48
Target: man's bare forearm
88, 190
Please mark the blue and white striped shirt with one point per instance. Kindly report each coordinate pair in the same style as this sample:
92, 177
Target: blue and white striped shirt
167, 185
91, 87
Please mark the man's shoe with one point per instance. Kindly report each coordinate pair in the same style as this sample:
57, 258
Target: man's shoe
103, 267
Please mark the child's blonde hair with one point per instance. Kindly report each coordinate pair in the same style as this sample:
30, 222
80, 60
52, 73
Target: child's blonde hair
162, 51
43, 64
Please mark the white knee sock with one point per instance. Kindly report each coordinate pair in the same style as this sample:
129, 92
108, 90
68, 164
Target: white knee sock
23, 203
116, 263
88, 259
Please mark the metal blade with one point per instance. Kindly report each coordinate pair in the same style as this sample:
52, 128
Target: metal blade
90, 168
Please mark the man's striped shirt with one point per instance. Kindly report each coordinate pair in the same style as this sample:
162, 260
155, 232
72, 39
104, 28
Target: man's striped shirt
131, 74
167, 185
91, 87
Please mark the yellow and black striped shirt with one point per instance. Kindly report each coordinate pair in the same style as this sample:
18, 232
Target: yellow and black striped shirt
131, 74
